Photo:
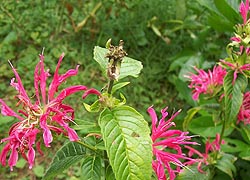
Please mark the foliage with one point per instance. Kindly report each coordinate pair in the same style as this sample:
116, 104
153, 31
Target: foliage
169, 38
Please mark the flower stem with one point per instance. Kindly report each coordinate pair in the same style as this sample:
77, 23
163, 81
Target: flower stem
110, 85
87, 145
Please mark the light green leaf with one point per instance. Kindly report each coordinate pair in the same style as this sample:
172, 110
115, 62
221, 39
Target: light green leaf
192, 173
233, 94
128, 143
92, 168
233, 145
67, 155
205, 127
109, 175
190, 114
95, 107
225, 164
129, 66
118, 86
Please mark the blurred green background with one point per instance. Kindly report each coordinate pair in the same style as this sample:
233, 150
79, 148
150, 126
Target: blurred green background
168, 37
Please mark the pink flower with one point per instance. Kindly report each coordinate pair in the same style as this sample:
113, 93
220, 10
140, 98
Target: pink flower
204, 158
244, 113
236, 67
207, 82
167, 145
48, 113
244, 8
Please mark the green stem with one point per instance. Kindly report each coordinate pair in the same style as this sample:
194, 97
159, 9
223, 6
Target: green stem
87, 146
222, 131
110, 85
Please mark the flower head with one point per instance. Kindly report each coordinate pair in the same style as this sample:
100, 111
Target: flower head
206, 82
244, 113
46, 114
204, 158
244, 8
236, 67
167, 145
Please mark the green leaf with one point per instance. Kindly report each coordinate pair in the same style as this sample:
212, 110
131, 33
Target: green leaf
129, 66
233, 145
225, 164
39, 170
219, 23
245, 132
67, 155
128, 143
233, 94
92, 168
109, 175
86, 127
245, 154
192, 173
118, 86
226, 10
95, 107
190, 114
205, 127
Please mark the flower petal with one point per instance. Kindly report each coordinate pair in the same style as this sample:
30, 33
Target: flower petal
7, 111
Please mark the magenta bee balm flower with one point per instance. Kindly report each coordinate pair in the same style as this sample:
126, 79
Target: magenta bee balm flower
244, 113
46, 114
207, 82
167, 145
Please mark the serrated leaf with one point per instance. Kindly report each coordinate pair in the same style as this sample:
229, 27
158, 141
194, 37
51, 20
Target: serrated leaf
129, 66
233, 94
92, 168
130, 156
245, 132
192, 173
67, 155
225, 164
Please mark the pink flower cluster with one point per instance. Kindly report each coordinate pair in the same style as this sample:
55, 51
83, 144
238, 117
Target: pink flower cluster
204, 157
244, 8
167, 143
244, 113
48, 113
206, 82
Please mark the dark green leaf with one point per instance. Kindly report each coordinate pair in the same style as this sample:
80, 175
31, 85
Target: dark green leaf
233, 94
226, 164
227, 11
245, 154
92, 168
245, 132
67, 155
130, 156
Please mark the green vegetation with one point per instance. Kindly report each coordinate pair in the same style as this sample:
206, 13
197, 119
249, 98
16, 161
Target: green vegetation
168, 37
